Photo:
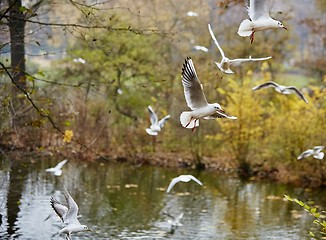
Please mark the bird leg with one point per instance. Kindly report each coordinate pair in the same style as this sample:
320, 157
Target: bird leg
188, 123
252, 36
193, 129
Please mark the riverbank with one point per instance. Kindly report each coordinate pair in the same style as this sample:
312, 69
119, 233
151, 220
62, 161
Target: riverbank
279, 173
299, 176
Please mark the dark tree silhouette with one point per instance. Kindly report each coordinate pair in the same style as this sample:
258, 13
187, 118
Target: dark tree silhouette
16, 25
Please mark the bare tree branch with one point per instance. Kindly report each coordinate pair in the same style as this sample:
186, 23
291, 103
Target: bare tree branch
8, 9
110, 28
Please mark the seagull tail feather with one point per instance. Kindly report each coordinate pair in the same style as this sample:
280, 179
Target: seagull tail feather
187, 121
151, 132
245, 28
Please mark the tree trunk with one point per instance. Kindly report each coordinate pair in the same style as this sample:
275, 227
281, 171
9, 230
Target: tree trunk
17, 31
16, 25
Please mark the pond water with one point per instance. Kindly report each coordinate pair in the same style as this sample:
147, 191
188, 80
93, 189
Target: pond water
119, 201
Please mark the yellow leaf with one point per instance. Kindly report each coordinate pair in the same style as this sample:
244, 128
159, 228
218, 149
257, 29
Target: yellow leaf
68, 136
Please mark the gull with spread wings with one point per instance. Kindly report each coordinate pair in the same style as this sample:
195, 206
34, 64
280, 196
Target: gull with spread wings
225, 63
281, 89
182, 178
316, 152
156, 125
174, 221
68, 215
260, 20
57, 169
196, 100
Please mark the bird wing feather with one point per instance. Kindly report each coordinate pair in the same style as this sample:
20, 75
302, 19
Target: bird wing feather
214, 116
172, 183
178, 218
163, 120
60, 209
152, 115
241, 60
317, 149
266, 85
72, 208
258, 9
305, 154
215, 41
60, 164
296, 91
193, 89
195, 179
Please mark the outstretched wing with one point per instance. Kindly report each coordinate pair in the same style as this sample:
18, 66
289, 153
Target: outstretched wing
296, 91
72, 208
266, 85
193, 89
59, 208
168, 214
258, 9
317, 149
195, 179
60, 164
305, 154
172, 183
215, 41
163, 120
319, 155
241, 60
178, 218
152, 115
220, 115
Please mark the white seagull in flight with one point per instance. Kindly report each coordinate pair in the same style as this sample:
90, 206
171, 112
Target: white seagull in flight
57, 169
182, 178
156, 125
316, 152
192, 14
259, 20
68, 215
196, 100
281, 89
200, 48
225, 63
174, 221
81, 60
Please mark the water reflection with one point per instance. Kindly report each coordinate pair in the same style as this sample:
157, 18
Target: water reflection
127, 202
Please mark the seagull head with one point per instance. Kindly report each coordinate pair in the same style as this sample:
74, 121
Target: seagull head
218, 108
85, 228
280, 25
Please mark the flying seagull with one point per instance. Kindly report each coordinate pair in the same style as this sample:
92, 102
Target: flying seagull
156, 125
81, 60
225, 63
192, 14
57, 169
260, 20
196, 100
281, 89
316, 152
68, 215
174, 221
182, 178
200, 48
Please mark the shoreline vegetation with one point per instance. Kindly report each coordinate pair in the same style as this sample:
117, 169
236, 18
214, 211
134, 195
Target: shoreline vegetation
224, 164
